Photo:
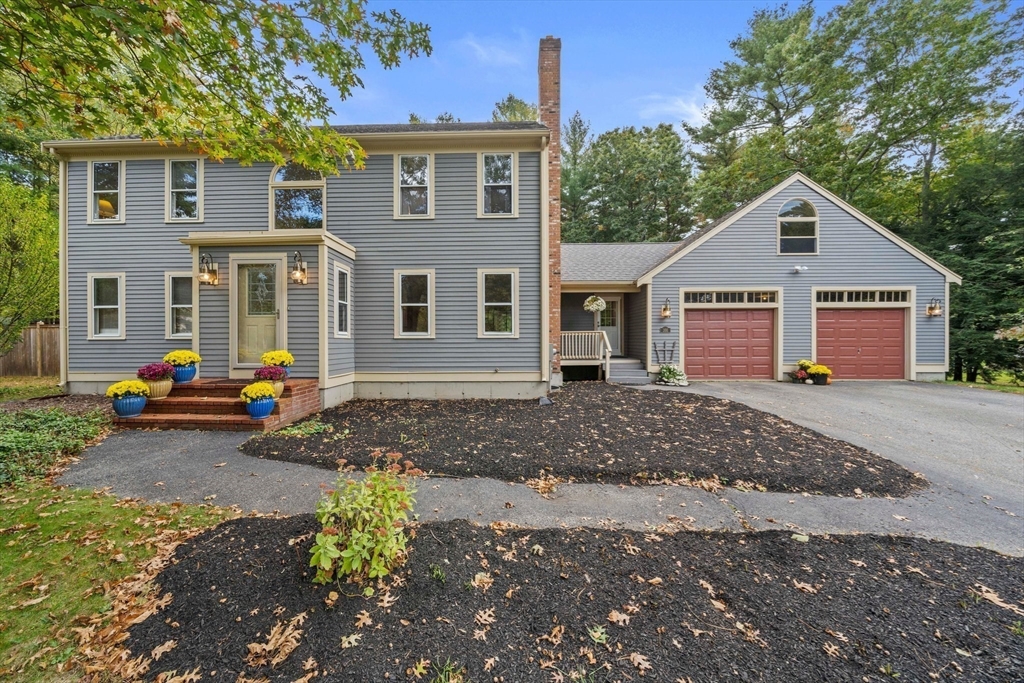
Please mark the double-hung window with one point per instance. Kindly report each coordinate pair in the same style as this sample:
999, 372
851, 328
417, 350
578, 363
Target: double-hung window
184, 190
106, 306
178, 290
414, 175
342, 302
106, 190
498, 297
497, 184
414, 303
297, 197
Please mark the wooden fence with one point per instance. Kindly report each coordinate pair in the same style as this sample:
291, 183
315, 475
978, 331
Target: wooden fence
37, 354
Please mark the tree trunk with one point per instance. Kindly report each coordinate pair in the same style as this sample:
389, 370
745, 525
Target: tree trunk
972, 373
927, 212
958, 369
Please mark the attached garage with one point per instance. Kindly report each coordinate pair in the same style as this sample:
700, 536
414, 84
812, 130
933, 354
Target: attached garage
729, 334
867, 343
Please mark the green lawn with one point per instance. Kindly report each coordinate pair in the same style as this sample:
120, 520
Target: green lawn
1004, 382
63, 551
18, 388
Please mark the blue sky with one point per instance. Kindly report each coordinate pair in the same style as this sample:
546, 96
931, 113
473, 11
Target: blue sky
623, 63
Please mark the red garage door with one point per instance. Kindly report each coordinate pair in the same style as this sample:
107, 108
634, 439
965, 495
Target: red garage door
862, 343
730, 343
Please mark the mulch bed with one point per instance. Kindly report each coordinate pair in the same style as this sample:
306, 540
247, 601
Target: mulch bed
520, 605
595, 432
74, 404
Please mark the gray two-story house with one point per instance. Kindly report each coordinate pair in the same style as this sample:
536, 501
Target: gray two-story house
437, 271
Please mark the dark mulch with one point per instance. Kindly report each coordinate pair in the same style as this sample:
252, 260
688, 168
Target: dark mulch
595, 432
74, 404
700, 607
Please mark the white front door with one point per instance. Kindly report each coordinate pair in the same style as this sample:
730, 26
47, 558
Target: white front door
258, 309
609, 321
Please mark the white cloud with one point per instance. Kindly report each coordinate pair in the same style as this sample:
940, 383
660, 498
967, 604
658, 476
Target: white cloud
495, 52
687, 107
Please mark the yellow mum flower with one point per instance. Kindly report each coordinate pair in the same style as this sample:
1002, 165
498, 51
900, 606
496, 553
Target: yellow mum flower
182, 357
819, 370
279, 357
129, 387
257, 390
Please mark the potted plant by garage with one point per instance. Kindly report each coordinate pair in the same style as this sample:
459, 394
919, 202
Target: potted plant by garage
184, 363
259, 399
799, 376
274, 374
129, 397
280, 358
671, 375
159, 378
819, 373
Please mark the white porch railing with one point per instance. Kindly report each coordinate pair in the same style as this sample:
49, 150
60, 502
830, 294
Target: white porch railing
587, 348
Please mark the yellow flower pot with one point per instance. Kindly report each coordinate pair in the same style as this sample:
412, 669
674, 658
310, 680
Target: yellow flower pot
159, 388
278, 389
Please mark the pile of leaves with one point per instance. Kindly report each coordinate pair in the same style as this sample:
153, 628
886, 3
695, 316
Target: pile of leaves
33, 441
594, 432
586, 604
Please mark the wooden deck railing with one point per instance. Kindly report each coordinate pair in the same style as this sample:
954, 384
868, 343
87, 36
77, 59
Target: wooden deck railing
587, 348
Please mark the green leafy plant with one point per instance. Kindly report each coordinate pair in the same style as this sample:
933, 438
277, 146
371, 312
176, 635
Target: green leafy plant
307, 428
449, 672
363, 522
671, 374
598, 634
31, 441
437, 573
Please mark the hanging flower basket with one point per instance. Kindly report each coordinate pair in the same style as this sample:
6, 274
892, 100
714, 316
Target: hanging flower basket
594, 304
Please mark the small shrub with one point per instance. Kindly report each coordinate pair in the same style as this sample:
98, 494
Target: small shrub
32, 441
671, 374
363, 523
308, 428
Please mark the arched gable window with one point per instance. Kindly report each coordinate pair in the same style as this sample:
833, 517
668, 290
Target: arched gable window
798, 227
297, 198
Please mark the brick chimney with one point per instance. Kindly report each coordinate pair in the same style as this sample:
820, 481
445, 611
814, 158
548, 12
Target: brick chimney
550, 106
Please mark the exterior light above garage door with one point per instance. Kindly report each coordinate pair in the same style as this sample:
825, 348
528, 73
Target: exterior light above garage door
298, 270
666, 310
934, 308
207, 270
799, 269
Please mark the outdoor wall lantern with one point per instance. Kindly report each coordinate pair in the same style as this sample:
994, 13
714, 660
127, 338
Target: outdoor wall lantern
298, 270
934, 308
207, 270
666, 309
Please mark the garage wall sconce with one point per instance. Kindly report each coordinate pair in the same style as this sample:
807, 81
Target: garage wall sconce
207, 271
299, 275
799, 269
666, 309
934, 308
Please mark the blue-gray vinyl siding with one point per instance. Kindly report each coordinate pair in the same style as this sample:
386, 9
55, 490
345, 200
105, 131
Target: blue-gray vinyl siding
850, 255
341, 357
574, 318
302, 312
635, 316
360, 210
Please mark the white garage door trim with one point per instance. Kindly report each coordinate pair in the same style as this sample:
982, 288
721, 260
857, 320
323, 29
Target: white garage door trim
910, 358
777, 305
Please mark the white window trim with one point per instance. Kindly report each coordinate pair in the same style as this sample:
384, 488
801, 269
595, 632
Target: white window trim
480, 303
168, 200
122, 307
431, 303
338, 268
168, 318
121, 194
297, 185
817, 229
480, 185
398, 188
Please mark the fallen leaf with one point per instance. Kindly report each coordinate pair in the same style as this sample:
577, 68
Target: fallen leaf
618, 618
160, 650
831, 649
489, 663
993, 597
363, 619
484, 616
350, 641
642, 664
805, 587
220, 464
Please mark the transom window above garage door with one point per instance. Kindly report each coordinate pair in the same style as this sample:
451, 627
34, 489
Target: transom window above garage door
729, 297
869, 296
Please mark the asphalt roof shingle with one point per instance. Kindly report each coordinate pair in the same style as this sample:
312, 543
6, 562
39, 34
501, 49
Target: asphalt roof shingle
612, 262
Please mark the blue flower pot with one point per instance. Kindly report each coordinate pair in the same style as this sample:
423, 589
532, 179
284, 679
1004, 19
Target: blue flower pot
184, 373
260, 408
129, 406
287, 370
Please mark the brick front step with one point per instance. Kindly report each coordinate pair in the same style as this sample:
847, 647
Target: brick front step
214, 404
